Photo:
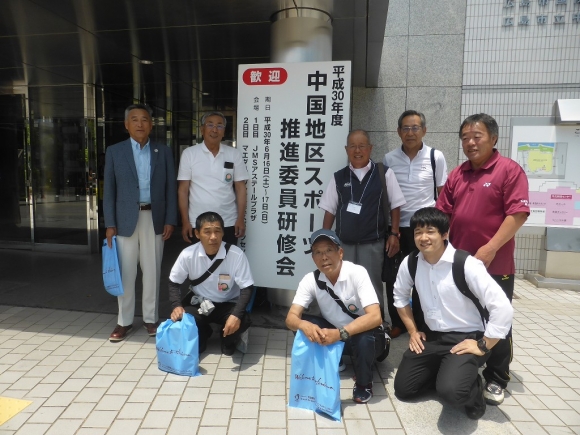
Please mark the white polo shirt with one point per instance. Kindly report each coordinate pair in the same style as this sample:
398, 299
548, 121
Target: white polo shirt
415, 178
211, 184
329, 199
353, 287
225, 283
444, 306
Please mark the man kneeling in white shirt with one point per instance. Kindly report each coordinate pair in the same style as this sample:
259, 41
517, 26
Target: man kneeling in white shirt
455, 342
219, 292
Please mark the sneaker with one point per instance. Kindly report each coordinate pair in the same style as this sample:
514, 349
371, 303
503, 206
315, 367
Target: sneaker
493, 393
341, 365
362, 393
476, 411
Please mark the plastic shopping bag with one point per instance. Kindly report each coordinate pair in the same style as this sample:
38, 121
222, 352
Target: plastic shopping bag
314, 378
111, 269
178, 346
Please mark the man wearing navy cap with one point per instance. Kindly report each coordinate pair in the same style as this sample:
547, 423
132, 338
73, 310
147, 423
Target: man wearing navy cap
337, 280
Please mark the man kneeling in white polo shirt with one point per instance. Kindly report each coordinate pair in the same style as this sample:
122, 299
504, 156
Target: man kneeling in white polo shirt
221, 284
349, 283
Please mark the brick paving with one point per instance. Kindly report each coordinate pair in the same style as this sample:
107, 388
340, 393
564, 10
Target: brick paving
80, 383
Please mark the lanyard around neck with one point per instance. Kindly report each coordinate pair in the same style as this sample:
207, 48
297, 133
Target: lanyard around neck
365, 188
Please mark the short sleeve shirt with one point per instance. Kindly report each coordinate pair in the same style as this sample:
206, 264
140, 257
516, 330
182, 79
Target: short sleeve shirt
224, 283
211, 182
479, 201
415, 178
353, 287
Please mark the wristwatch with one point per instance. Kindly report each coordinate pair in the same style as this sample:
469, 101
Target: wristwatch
397, 235
344, 335
482, 345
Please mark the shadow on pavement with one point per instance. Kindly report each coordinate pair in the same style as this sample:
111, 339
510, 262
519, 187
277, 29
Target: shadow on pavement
74, 282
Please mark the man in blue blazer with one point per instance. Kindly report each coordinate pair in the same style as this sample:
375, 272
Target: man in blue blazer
140, 207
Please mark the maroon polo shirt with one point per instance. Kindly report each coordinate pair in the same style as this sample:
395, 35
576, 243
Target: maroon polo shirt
478, 202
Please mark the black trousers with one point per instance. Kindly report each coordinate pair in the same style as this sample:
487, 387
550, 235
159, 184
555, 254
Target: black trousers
219, 316
407, 244
497, 368
454, 376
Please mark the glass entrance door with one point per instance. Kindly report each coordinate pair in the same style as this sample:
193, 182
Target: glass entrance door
48, 170
62, 181
15, 197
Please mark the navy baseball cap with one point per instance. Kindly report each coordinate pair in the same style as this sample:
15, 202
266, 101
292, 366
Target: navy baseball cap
329, 234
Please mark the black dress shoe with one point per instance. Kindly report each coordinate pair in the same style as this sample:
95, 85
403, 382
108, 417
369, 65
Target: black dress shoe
476, 411
228, 349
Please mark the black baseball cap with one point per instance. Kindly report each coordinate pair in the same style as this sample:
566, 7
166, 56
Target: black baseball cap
329, 234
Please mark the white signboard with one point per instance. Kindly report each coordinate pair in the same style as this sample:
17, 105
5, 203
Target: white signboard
549, 155
293, 120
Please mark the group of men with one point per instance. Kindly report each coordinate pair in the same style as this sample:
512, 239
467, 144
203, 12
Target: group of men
405, 207
140, 204
452, 325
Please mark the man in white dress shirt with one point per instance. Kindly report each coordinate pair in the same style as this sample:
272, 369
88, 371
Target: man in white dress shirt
454, 342
212, 177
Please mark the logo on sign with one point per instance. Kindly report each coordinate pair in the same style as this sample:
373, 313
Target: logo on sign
265, 76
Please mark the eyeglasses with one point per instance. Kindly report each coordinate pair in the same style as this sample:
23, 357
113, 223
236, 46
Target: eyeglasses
357, 147
211, 126
324, 253
414, 129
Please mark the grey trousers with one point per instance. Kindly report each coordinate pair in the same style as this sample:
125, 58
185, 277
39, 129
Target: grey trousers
370, 256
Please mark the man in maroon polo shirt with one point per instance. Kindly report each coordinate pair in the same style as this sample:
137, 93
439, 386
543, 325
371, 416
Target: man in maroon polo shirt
487, 201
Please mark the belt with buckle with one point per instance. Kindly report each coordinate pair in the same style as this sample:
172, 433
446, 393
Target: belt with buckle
145, 207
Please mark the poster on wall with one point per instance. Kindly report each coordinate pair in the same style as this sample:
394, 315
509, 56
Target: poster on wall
549, 154
293, 120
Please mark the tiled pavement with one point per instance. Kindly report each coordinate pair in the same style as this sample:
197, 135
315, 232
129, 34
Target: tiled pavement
80, 383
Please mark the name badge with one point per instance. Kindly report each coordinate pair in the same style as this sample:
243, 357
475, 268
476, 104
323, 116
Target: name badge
224, 282
354, 207
228, 176
434, 314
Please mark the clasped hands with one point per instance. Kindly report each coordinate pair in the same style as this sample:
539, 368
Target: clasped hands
316, 334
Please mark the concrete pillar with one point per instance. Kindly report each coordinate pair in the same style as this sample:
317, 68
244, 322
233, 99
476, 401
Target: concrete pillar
301, 32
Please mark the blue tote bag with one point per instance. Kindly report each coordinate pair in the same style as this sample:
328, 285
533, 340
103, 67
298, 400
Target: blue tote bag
178, 347
314, 378
111, 269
